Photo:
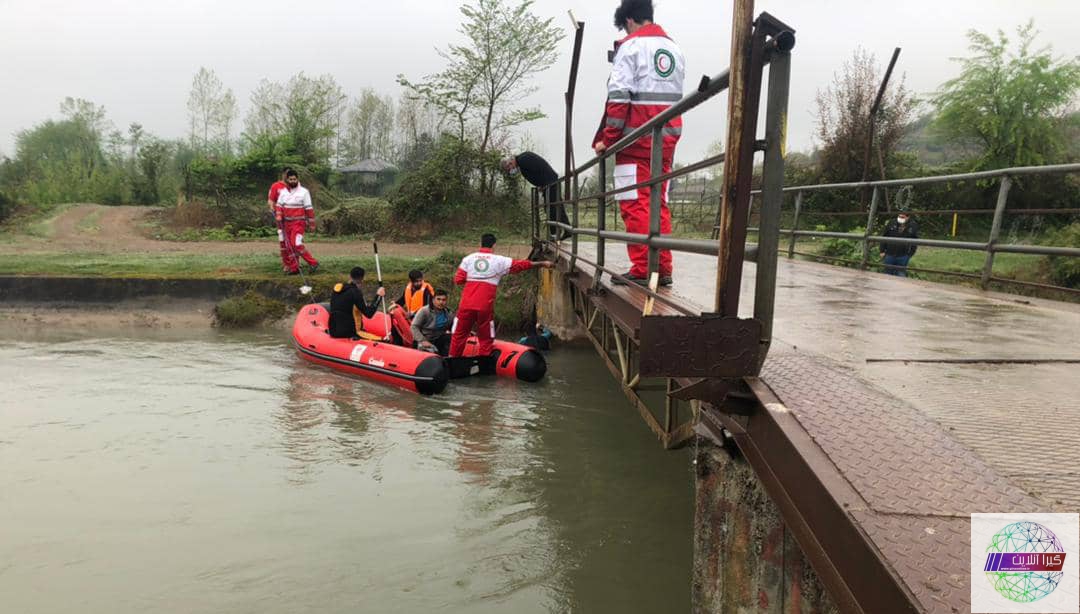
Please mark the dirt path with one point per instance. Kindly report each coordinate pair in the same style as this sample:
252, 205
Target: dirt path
89, 228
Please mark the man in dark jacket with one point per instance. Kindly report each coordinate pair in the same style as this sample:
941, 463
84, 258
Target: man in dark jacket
896, 255
347, 302
539, 173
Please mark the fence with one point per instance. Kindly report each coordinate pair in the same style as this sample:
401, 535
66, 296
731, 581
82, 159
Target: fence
990, 247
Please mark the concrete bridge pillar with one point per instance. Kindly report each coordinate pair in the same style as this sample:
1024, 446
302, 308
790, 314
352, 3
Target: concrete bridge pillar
744, 558
555, 306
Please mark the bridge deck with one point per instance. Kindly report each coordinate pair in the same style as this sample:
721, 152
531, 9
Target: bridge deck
858, 318
908, 450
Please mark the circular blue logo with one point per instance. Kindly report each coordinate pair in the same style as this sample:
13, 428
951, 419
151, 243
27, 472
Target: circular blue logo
1024, 562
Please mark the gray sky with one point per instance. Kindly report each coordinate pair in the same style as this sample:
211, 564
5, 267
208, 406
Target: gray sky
138, 57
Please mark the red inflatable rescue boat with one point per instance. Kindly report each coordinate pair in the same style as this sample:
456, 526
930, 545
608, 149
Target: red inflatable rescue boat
381, 361
385, 362
507, 359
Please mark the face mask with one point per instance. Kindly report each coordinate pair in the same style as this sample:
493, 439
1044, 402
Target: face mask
514, 171
901, 220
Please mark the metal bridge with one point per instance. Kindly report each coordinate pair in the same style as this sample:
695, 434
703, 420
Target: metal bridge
868, 477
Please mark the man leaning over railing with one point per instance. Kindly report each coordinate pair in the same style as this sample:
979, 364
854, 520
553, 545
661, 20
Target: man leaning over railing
646, 79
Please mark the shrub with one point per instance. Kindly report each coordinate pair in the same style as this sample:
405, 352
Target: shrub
7, 206
248, 310
847, 249
457, 187
355, 217
1065, 270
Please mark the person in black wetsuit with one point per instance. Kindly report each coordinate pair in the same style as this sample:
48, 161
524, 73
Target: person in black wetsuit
538, 172
346, 297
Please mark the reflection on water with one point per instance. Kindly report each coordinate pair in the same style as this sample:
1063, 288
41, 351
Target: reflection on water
221, 473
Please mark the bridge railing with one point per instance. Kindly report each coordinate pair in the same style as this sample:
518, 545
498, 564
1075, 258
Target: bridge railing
990, 247
770, 45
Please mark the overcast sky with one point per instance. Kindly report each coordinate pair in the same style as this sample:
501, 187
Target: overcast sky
138, 57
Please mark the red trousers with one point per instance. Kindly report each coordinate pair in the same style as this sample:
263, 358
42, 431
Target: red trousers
294, 246
466, 319
283, 247
634, 206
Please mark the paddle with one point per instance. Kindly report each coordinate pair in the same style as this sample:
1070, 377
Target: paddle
378, 276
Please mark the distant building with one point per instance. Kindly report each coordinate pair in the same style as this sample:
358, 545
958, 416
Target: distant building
367, 176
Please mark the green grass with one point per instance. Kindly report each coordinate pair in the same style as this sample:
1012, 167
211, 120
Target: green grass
1019, 267
90, 223
193, 266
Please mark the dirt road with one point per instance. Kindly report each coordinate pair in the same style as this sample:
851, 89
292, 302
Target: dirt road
90, 228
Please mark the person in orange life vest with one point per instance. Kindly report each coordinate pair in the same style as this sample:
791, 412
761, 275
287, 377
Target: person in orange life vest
295, 212
646, 79
480, 272
271, 201
416, 294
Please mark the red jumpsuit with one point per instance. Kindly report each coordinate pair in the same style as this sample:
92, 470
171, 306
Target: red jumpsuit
480, 272
646, 78
295, 212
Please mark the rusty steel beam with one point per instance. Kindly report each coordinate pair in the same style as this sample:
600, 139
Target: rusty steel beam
814, 500
747, 62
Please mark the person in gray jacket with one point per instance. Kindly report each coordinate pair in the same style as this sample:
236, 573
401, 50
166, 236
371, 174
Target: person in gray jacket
431, 325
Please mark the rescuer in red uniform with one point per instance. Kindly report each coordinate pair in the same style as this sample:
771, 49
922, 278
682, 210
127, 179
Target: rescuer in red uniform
646, 79
295, 213
271, 201
481, 272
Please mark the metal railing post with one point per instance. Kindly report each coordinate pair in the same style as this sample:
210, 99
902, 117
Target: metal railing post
995, 230
575, 223
869, 228
601, 220
772, 197
656, 168
534, 215
795, 225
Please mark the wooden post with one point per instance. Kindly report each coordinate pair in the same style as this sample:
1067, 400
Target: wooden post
742, 26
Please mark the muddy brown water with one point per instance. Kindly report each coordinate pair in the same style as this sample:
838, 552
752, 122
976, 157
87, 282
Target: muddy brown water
180, 471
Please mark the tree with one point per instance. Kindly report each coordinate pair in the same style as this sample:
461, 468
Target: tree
87, 114
417, 119
487, 78
153, 159
1012, 103
843, 119
306, 110
211, 112
369, 128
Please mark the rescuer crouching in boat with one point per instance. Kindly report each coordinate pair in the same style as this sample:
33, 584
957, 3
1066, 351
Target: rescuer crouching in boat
347, 305
431, 325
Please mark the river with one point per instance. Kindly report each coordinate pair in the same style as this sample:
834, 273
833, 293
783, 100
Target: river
213, 471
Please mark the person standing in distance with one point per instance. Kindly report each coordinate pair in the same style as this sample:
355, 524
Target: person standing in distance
899, 254
295, 214
271, 201
647, 75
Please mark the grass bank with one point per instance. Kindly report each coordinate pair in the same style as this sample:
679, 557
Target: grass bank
1019, 267
514, 308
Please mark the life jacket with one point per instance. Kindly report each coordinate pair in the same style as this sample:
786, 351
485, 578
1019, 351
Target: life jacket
414, 299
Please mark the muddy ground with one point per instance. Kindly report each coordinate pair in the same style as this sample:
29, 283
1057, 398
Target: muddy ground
90, 228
